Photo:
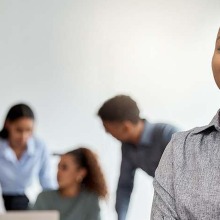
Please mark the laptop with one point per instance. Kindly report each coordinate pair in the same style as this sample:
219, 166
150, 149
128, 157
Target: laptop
30, 215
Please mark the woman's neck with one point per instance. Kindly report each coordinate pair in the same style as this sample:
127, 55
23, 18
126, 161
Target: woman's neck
70, 191
18, 149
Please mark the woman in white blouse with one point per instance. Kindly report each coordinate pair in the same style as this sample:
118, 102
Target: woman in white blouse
23, 158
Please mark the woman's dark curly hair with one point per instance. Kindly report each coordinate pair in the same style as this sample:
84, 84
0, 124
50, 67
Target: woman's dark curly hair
94, 180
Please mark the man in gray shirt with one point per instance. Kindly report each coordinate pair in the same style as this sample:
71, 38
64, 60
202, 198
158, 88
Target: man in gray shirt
142, 144
187, 181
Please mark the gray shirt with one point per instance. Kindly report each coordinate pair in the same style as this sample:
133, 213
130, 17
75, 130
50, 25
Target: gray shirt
85, 206
187, 180
145, 155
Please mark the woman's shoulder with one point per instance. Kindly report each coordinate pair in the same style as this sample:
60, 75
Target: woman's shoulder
195, 134
189, 136
89, 196
181, 136
37, 145
184, 143
48, 194
37, 141
44, 200
89, 201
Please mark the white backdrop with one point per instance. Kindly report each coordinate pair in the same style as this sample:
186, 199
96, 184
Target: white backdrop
66, 57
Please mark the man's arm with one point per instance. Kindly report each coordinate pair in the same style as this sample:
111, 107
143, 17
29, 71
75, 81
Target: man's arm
164, 207
125, 186
168, 132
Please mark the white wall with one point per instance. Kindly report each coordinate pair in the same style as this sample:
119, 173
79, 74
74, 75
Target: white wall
66, 57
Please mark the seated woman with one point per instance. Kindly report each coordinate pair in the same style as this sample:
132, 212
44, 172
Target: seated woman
81, 183
22, 158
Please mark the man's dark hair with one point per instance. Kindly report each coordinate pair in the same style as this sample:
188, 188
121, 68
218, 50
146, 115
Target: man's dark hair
119, 108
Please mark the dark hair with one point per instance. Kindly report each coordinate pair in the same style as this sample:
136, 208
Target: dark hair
16, 112
120, 108
94, 180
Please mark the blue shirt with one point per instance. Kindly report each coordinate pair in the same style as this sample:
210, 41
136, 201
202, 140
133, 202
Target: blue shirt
16, 175
2, 208
145, 155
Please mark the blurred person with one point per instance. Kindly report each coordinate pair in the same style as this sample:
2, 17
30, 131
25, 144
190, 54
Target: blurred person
187, 179
2, 207
22, 158
142, 143
81, 185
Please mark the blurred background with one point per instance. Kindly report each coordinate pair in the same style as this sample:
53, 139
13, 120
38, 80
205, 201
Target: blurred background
65, 58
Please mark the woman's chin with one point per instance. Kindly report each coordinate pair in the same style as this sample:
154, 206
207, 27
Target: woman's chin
61, 186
